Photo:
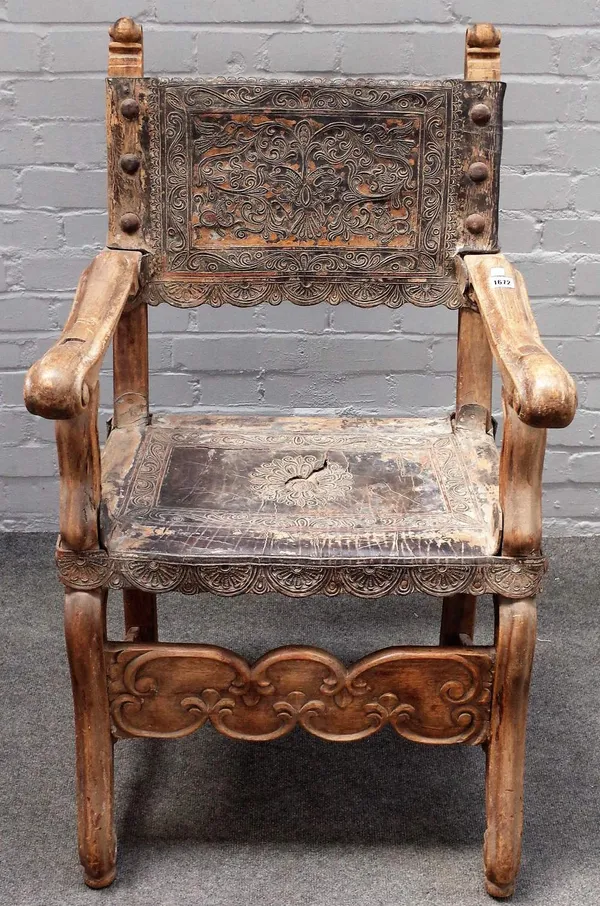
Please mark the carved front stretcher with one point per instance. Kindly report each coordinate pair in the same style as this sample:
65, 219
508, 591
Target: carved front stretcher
426, 694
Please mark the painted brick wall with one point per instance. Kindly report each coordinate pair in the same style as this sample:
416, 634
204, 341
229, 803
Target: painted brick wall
52, 198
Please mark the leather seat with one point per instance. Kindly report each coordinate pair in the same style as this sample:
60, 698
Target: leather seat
313, 489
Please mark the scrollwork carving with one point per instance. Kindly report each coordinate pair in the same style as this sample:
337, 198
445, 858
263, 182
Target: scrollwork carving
309, 180
361, 293
308, 191
426, 695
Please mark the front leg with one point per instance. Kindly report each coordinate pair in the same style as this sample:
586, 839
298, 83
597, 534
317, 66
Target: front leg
515, 643
85, 635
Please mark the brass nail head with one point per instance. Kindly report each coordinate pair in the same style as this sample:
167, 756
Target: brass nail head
480, 114
479, 171
130, 163
130, 223
130, 109
475, 223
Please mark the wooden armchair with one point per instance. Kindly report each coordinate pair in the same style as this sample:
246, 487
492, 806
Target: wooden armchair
363, 193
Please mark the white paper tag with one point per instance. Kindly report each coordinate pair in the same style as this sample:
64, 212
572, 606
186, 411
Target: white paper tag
499, 280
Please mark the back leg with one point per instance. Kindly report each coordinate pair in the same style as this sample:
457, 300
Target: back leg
141, 623
458, 619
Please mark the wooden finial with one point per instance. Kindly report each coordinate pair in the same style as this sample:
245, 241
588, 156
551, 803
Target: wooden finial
126, 50
482, 53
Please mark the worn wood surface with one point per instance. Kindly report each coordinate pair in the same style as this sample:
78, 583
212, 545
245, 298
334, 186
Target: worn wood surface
521, 466
474, 357
85, 628
430, 695
141, 619
59, 384
458, 619
515, 643
126, 49
130, 368
482, 52
311, 488
78, 450
540, 391
63, 385
474, 363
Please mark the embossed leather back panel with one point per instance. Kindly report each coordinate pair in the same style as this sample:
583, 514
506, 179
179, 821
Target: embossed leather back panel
251, 192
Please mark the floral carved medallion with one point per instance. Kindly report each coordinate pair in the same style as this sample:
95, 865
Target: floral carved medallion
301, 480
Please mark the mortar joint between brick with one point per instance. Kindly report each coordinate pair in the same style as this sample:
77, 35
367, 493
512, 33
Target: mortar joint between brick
338, 39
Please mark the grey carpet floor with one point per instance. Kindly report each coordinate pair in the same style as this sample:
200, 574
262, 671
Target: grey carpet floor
299, 821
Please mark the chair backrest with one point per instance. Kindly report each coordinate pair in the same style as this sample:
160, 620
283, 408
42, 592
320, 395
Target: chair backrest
245, 192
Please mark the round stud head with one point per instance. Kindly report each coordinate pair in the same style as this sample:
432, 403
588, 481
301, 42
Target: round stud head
130, 163
130, 109
130, 223
479, 171
480, 114
475, 223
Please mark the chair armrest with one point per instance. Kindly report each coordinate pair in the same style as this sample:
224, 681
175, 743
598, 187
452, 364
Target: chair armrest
58, 385
537, 387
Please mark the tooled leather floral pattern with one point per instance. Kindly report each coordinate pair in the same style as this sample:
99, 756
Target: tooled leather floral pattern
304, 481
499, 575
293, 185
312, 191
307, 180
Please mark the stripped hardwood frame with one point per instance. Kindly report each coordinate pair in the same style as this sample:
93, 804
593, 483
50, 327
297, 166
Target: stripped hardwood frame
140, 687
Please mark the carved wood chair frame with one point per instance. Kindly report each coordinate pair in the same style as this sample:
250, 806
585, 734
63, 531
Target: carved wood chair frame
121, 688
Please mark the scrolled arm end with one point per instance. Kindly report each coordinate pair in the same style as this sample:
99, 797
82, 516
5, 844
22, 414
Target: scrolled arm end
55, 386
540, 391
545, 396
59, 385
